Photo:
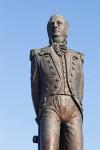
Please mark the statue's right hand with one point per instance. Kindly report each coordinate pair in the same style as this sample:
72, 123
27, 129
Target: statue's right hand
35, 139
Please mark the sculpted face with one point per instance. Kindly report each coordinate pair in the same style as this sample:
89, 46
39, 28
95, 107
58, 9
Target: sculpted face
57, 28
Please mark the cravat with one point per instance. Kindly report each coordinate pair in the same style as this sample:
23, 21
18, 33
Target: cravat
59, 49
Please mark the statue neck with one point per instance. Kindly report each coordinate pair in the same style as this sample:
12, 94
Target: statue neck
59, 41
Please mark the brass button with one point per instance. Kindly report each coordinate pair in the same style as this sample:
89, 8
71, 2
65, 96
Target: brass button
51, 67
71, 74
53, 73
73, 68
55, 87
74, 63
48, 61
57, 80
72, 88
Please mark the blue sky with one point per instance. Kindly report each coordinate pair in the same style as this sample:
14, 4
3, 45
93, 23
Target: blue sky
22, 27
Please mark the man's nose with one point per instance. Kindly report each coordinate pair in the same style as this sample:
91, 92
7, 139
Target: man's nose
55, 24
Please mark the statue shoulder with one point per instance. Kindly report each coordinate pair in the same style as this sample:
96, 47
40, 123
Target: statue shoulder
44, 50
33, 53
78, 54
41, 51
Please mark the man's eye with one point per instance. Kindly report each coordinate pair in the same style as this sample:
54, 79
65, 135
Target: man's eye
59, 23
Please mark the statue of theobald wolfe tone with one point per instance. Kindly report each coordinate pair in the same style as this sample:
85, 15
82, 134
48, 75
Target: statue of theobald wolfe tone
57, 90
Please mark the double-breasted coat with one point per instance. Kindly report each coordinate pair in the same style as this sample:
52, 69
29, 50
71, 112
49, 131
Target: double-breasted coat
46, 75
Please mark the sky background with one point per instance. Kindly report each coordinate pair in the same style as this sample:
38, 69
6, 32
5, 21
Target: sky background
22, 27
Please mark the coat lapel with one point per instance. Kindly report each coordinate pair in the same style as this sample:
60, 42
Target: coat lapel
68, 60
56, 62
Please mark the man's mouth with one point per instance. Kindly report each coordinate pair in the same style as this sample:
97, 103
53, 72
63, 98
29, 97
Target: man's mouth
57, 31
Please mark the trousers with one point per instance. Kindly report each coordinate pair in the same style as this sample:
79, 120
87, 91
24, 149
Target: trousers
60, 126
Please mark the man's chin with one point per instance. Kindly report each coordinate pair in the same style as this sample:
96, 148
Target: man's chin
57, 34
56, 38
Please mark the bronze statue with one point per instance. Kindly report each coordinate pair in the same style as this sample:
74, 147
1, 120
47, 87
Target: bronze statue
57, 90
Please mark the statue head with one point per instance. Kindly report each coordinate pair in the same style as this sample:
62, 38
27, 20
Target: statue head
57, 28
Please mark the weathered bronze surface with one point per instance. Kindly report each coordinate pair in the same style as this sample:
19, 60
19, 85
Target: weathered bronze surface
57, 90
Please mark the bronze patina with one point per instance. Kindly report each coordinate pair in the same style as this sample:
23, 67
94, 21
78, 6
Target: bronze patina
57, 90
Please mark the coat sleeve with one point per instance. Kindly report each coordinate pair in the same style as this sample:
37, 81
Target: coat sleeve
35, 81
81, 88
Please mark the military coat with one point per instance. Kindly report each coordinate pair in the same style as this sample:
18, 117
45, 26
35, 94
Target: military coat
46, 75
